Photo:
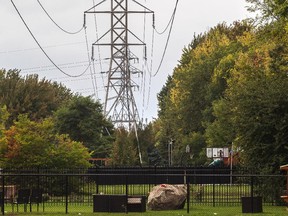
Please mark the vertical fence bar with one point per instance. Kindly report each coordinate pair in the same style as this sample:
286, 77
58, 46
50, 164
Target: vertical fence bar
252, 194
126, 193
95, 176
66, 194
3, 194
38, 189
213, 179
188, 194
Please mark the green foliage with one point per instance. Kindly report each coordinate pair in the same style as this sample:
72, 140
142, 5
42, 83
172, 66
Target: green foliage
186, 102
124, 149
231, 87
36, 144
146, 139
29, 95
220, 132
163, 96
257, 100
269, 9
83, 120
3, 119
260, 115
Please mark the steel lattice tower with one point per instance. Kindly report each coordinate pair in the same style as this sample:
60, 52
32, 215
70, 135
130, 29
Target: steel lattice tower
120, 105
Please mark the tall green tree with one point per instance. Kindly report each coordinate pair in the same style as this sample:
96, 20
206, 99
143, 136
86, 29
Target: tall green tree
124, 150
258, 99
199, 80
30, 95
83, 119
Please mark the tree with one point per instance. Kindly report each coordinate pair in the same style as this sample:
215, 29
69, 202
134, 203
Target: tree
29, 95
83, 120
3, 119
269, 9
37, 144
254, 108
260, 108
124, 150
163, 96
186, 102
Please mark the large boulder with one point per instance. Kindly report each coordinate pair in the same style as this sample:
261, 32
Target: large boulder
167, 197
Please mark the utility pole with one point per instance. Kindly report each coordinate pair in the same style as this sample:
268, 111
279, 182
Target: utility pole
120, 105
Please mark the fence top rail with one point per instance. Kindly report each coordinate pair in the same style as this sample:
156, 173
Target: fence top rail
134, 174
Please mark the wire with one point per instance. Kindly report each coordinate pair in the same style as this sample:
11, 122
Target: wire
97, 38
162, 32
94, 83
68, 32
168, 38
138, 143
37, 48
151, 69
143, 81
18, 12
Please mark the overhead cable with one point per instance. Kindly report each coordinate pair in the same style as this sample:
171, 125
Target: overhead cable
52, 67
37, 48
18, 12
99, 53
94, 83
170, 21
143, 81
168, 38
68, 32
151, 68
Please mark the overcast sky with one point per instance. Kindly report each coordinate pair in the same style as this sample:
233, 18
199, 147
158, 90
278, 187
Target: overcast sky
71, 52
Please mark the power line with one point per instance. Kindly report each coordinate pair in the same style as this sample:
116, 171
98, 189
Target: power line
64, 65
52, 67
68, 32
18, 12
87, 90
94, 83
37, 48
168, 38
143, 81
165, 29
74, 80
84, 77
151, 68
97, 38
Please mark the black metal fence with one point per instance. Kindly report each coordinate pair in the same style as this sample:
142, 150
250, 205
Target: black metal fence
72, 190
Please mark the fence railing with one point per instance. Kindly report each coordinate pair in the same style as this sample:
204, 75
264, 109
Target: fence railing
71, 191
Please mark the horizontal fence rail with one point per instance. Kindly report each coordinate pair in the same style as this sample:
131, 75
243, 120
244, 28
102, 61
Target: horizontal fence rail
72, 191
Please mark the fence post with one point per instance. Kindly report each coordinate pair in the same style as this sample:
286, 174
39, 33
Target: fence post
213, 179
252, 193
3, 194
66, 194
97, 188
126, 191
155, 173
188, 194
96, 177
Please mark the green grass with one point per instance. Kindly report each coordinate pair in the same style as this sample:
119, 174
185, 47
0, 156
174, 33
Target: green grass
229, 194
86, 210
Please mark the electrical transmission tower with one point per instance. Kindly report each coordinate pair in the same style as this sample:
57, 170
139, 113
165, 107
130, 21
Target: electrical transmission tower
120, 105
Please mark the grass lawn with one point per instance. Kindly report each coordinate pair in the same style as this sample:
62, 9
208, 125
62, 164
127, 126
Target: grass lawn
78, 210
